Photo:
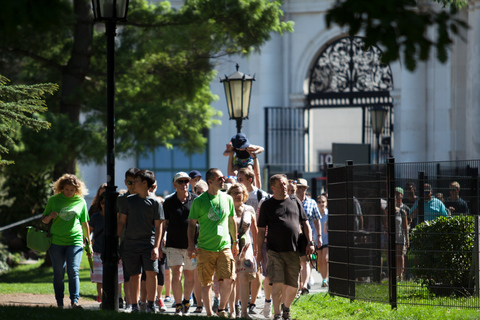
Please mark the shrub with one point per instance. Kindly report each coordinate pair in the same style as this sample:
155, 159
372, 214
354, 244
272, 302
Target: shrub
443, 251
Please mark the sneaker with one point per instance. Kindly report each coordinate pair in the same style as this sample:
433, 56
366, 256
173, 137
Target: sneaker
251, 308
324, 283
149, 309
216, 302
168, 299
267, 309
185, 309
199, 309
128, 308
142, 306
285, 313
222, 314
135, 310
304, 291
237, 310
120, 303
161, 306
76, 306
178, 309
278, 317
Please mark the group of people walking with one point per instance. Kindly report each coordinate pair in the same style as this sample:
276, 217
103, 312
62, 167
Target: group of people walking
216, 238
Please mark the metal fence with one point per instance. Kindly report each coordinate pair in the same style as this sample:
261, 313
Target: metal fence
366, 244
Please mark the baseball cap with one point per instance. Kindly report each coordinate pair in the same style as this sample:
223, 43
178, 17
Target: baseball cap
399, 190
194, 173
240, 141
180, 175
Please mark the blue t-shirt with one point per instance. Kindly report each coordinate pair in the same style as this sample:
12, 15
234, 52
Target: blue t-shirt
432, 209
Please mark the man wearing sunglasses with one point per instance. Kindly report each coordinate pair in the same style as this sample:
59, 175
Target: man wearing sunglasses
121, 203
454, 203
177, 209
214, 211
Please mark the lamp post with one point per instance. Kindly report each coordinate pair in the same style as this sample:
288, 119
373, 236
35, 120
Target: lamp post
110, 11
238, 89
377, 118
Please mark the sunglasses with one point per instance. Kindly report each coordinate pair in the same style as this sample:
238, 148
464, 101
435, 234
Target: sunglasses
292, 181
321, 201
221, 178
129, 183
183, 181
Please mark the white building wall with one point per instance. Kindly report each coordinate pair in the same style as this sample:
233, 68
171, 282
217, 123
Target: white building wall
436, 107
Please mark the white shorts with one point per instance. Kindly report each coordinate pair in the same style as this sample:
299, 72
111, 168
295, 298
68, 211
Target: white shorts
179, 257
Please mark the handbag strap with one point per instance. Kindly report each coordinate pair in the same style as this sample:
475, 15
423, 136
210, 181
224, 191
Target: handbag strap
241, 223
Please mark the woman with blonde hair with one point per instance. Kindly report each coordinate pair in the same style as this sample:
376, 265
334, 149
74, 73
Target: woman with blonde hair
247, 240
67, 210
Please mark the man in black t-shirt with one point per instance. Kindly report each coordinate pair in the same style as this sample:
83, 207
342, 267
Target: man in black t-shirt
283, 216
454, 203
177, 209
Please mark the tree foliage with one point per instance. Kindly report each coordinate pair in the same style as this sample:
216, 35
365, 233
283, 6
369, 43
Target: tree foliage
401, 27
19, 108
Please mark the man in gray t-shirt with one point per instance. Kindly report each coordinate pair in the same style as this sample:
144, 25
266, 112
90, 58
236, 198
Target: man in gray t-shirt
143, 216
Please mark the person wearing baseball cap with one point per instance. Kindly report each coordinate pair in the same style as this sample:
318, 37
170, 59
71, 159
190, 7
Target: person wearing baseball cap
195, 176
177, 208
313, 215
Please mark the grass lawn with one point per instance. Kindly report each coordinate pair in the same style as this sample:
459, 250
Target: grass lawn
33, 279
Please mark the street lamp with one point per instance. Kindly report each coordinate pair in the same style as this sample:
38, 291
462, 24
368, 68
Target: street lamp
377, 118
110, 11
238, 89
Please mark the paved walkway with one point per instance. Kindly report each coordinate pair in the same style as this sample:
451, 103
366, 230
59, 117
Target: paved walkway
315, 288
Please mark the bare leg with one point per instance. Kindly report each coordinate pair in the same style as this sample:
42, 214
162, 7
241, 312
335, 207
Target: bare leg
187, 284
225, 290
289, 295
244, 292
177, 283
206, 296
267, 288
151, 285
197, 288
143, 291
99, 291
134, 284
256, 286
168, 282
277, 297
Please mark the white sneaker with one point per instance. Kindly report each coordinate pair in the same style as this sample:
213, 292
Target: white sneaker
267, 309
128, 309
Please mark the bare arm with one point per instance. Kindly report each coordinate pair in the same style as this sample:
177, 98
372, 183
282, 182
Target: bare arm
158, 231
254, 232
256, 170
48, 218
192, 226
260, 240
122, 220
318, 229
232, 228
308, 233
86, 235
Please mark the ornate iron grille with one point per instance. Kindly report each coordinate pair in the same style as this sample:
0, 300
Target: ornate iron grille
347, 74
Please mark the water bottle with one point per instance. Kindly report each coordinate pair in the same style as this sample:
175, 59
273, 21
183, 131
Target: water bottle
194, 259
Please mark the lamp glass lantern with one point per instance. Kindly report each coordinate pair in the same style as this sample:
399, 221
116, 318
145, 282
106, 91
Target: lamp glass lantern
238, 90
377, 118
115, 10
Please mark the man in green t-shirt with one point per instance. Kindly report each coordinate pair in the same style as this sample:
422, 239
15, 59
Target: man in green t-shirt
214, 212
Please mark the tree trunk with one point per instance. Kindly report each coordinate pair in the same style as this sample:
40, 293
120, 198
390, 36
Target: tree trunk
74, 74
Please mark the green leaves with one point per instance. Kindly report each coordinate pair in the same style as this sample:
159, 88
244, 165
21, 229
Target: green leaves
401, 28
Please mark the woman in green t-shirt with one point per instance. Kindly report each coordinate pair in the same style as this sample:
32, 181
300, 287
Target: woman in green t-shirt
68, 210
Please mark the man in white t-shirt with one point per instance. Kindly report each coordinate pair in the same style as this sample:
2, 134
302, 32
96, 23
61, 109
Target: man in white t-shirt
247, 177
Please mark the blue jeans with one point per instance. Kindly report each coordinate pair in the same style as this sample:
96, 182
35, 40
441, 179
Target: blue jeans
71, 256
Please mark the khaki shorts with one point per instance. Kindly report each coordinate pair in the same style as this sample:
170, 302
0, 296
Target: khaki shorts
179, 257
283, 267
209, 261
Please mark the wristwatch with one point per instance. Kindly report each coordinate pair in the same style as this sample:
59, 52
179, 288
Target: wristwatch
311, 243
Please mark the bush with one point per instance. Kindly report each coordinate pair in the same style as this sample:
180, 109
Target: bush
443, 252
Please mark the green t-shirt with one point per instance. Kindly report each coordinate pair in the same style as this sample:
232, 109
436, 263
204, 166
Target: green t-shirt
212, 214
66, 229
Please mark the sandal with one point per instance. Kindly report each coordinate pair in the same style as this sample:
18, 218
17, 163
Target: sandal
199, 309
